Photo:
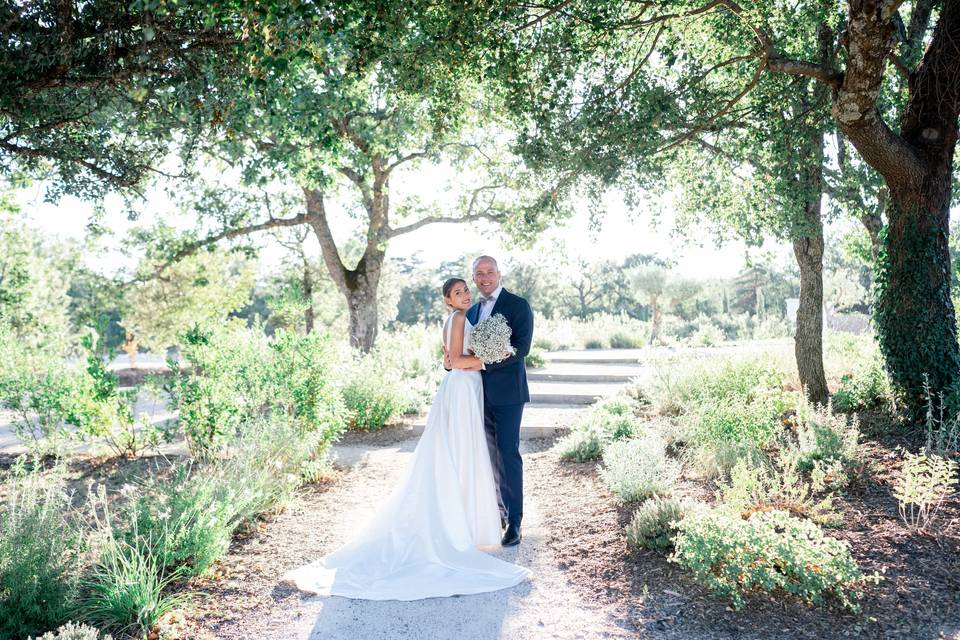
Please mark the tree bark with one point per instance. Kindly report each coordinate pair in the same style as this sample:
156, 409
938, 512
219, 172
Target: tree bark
657, 319
808, 341
914, 312
358, 285
308, 313
808, 245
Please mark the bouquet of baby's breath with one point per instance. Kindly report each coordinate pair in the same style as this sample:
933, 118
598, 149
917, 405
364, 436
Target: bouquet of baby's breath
490, 340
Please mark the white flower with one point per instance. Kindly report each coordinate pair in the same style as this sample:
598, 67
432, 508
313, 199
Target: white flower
490, 340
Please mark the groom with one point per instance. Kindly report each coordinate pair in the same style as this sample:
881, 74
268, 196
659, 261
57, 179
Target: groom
504, 391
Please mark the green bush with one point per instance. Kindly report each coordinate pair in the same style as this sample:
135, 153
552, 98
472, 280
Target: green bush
535, 359
619, 405
724, 381
865, 388
708, 335
594, 343
638, 469
621, 340
46, 395
544, 344
371, 403
584, 443
74, 631
190, 518
825, 440
609, 420
125, 589
754, 488
36, 387
770, 552
737, 421
654, 524
924, 482
39, 554
237, 373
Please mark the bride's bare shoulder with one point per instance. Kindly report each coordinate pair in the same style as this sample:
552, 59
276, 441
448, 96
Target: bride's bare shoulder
458, 318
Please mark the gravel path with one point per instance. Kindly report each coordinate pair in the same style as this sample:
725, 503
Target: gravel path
246, 601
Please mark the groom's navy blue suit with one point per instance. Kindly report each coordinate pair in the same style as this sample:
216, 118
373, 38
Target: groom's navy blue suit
504, 393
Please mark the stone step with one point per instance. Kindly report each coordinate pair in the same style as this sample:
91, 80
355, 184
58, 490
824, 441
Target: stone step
596, 356
539, 421
570, 393
586, 373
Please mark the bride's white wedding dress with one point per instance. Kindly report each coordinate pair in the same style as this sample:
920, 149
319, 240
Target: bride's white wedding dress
423, 541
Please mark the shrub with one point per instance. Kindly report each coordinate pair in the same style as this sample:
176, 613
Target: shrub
654, 524
609, 420
621, 340
770, 487
597, 329
409, 360
225, 381
741, 380
865, 388
825, 440
535, 359
738, 421
544, 344
582, 444
618, 406
191, 517
708, 335
769, 551
35, 386
125, 589
925, 481
638, 469
237, 374
371, 403
39, 554
73, 631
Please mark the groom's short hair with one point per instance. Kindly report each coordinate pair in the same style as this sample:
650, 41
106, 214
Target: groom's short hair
482, 258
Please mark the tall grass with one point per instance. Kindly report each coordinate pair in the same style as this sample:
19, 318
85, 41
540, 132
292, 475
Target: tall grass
39, 554
124, 591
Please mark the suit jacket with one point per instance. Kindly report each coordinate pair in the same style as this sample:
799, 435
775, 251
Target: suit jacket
505, 382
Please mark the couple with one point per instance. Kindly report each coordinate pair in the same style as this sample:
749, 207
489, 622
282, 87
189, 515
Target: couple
423, 541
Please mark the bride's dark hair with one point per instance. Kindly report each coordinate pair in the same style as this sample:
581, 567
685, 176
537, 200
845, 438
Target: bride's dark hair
450, 284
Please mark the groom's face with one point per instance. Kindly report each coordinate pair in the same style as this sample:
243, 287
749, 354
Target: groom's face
486, 277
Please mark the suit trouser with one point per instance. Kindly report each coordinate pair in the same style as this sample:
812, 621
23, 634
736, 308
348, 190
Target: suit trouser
502, 424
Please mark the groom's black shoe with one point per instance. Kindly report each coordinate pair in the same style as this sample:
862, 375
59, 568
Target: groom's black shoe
511, 536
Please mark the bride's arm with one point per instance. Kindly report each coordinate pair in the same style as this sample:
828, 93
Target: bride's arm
455, 348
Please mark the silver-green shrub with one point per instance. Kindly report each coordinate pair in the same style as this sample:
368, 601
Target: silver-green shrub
639, 468
73, 631
654, 524
39, 553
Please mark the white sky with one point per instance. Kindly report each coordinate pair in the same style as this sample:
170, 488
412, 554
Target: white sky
620, 235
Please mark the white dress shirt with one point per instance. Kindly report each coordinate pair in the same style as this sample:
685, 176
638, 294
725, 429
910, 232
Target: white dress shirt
486, 308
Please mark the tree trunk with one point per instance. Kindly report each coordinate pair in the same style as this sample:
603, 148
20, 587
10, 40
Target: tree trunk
358, 285
362, 305
914, 313
808, 341
308, 313
808, 247
657, 320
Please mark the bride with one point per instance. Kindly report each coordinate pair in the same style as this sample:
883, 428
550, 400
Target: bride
423, 541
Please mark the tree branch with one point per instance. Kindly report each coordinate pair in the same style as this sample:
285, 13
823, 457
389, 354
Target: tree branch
317, 217
226, 234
